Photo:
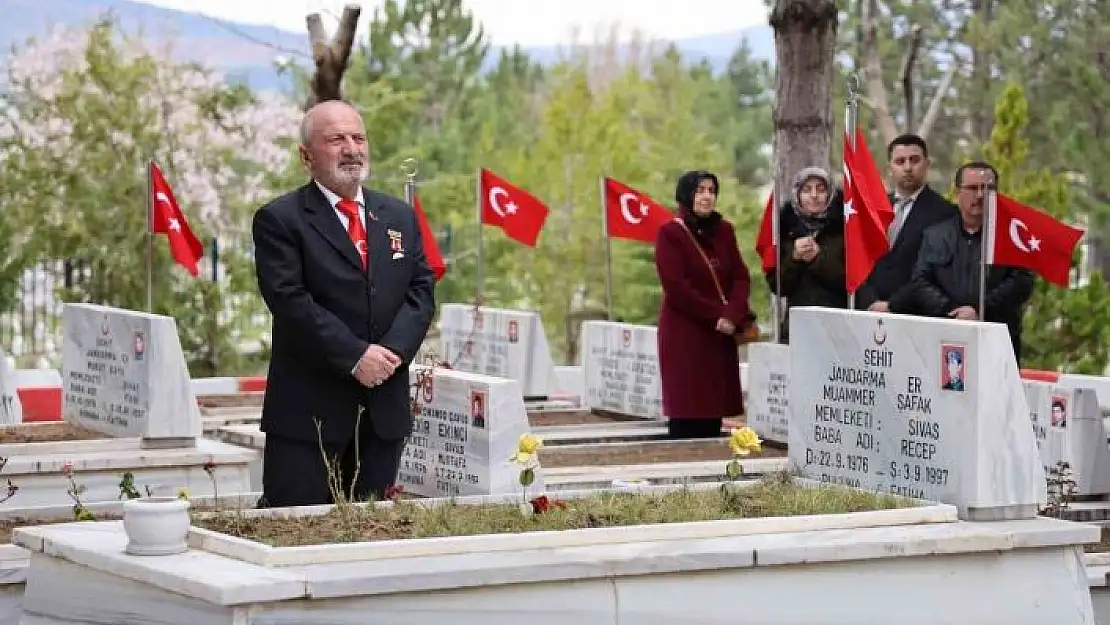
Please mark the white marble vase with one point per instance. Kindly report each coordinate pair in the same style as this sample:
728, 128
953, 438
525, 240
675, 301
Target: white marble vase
156, 526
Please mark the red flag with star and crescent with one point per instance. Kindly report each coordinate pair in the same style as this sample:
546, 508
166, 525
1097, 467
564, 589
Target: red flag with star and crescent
1022, 236
166, 218
866, 216
519, 214
632, 214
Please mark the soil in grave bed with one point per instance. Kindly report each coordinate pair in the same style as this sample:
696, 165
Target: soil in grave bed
47, 432
1103, 545
648, 453
7, 526
242, 400
773, 496
575, 417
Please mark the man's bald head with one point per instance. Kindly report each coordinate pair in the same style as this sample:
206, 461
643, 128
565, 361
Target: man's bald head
333, 146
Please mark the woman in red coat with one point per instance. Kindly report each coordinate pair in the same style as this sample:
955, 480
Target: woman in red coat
705, 303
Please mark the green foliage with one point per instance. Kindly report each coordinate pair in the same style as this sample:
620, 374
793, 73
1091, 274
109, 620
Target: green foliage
1064, 329
82, 134
640, 115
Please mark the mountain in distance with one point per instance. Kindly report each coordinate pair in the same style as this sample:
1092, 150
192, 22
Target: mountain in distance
249, 52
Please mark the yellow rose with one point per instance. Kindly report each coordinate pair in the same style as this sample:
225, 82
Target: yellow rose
529, 443
743, 441
521, 457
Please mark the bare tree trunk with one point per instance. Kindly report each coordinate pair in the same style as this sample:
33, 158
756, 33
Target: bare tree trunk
805, 44
982, 115
330, 57
873, 71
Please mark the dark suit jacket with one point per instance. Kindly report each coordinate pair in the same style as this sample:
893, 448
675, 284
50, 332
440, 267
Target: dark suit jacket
890, 280
327, 310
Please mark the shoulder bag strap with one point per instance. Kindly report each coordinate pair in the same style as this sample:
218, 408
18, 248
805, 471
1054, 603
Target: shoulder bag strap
709, 265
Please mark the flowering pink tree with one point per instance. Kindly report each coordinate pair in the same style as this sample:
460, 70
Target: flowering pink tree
83, 114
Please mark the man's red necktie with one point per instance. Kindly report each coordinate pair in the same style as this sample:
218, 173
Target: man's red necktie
355, 230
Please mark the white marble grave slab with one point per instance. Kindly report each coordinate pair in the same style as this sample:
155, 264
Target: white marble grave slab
124, 374
768, 389
1068, 426
498, 342
464, 436
978, 564
930, 408
620, 362
11, 410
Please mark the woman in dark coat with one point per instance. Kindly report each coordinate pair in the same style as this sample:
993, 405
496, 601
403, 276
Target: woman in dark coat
698, 359
811, 246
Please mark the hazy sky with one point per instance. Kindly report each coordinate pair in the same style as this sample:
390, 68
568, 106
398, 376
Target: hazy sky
528, 22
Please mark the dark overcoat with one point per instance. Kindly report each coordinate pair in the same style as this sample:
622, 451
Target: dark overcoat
327, 310
699, 366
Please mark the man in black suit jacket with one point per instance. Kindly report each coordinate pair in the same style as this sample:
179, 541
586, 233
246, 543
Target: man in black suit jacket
916, 207
351, 303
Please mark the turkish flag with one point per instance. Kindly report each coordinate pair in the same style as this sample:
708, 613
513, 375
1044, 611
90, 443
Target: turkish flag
866, 208
765, 243
869, 181
166, 218
632, 215
518, 213
1022, 236
431, 246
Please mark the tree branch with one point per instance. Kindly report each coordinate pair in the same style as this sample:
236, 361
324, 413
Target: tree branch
873, 71
331, 58
917, 36
933, 111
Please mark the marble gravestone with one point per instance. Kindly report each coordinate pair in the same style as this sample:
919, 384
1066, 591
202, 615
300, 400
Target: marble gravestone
925, 408
620, 362
1067, 423
768, 388
11, 410
465, 433
124, 374
499, 342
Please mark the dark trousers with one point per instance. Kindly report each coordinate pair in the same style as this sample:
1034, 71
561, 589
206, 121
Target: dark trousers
294, 472
694, 428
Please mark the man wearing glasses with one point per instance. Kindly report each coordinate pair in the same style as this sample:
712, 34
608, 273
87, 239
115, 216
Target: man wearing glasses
946, 275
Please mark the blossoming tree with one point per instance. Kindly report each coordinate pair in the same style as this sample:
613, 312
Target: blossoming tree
83, 113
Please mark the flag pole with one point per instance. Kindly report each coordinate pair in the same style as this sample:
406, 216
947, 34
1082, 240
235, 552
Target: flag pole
776, 301
987, 229
409, 168
149, 237
608, 252
478, 214
851, 122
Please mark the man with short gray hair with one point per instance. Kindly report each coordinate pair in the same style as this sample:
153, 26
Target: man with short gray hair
343, 272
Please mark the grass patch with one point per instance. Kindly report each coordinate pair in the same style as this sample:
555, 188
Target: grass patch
772, 496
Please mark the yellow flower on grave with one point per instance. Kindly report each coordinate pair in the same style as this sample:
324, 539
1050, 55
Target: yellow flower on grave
526, 449
529, 443
183, 493
744, 441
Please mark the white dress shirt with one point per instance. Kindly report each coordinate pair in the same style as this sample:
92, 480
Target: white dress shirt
333, 199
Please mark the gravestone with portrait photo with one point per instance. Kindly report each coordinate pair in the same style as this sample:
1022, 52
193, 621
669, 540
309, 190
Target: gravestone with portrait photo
1067, 424
11, 410
926, 408
499, 342
465, 433
124, 374
620, 362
